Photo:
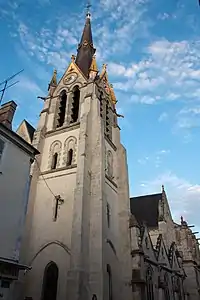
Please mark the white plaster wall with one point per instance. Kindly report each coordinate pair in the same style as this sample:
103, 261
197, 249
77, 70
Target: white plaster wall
14, 181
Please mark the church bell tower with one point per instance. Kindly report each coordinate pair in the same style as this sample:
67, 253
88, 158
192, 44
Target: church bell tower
77, 240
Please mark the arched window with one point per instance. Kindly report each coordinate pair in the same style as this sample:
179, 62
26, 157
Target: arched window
54, 161
109, 164
149, 284
110, 292
50, 282
62, 109
75, 104
69, 157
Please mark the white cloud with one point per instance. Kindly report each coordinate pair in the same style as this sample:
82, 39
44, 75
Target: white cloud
163, 117
183, 196
169, 71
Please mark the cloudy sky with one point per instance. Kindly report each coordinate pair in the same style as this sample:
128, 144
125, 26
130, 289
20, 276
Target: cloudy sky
152, 49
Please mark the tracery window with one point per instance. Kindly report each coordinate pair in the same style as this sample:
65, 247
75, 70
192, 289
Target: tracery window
149, 284
50, 282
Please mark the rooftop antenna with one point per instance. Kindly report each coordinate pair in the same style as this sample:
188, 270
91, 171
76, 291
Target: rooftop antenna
6, 86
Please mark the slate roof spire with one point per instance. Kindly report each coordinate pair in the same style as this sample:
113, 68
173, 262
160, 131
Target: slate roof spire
85, 50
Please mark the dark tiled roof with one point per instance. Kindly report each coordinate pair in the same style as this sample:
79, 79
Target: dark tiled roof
30, 129
85, 49
145, 208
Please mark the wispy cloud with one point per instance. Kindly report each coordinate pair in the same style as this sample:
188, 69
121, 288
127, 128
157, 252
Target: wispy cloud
183, 196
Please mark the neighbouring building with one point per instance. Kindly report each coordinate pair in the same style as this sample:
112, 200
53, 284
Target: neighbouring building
153, 211
16, 157
84, 238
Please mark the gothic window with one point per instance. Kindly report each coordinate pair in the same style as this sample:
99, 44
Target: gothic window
50, 282
110, 292
75, 104
69, 157
110, 164
54, 155
70, 148
62, 109
149, 284
54, 161
166, 290
108, 214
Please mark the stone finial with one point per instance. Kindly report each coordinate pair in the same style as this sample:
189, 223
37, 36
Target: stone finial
183, 223
163, 188
112, 95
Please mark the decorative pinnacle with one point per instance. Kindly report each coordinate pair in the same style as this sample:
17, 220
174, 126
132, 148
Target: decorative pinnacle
73, 57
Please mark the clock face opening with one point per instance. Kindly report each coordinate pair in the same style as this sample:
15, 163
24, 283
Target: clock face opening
70, 78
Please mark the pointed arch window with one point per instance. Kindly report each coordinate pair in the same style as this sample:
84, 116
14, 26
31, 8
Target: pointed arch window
69, 157
54, 161
149, 284
75, 104
62, 109
166, 290
50, 282
110, 291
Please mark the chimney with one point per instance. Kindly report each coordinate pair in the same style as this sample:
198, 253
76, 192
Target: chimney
7, 111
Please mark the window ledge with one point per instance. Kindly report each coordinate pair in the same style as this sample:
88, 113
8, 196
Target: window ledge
59, 169
63, 129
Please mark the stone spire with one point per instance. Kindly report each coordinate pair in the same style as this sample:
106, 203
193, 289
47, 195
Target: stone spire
85, 50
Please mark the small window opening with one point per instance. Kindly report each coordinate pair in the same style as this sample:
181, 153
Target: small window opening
54, 161
62, 109
75, 105
110, 294
108, 214
69, 157
1, 148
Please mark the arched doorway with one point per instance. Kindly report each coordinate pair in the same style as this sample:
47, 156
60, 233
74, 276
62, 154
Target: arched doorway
50, 282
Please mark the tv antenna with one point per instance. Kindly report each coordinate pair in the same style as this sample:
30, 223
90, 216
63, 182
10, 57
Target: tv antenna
6, 86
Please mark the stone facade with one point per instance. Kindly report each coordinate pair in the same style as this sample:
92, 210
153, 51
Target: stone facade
84, 238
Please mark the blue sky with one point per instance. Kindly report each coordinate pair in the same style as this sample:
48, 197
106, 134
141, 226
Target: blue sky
152, 49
